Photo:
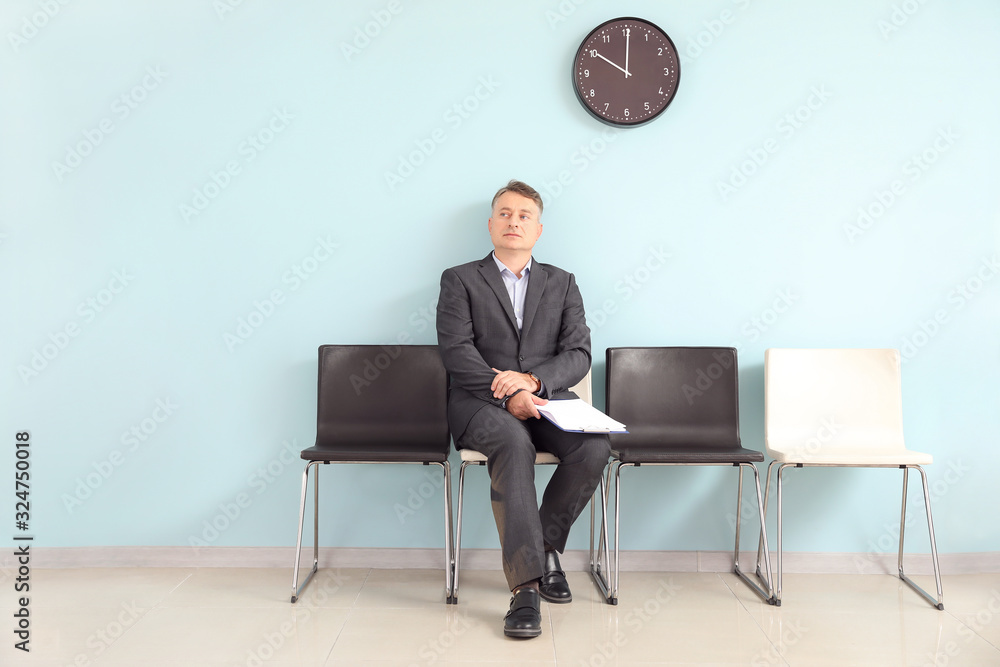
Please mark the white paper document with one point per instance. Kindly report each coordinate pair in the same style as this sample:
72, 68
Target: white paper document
577, 415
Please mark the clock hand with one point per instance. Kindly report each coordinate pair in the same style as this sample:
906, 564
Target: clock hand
610, 63
628, 32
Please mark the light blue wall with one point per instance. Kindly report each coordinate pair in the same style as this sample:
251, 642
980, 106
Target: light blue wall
888, 82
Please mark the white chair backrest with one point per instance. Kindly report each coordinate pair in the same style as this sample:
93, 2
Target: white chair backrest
832, 401
583, 389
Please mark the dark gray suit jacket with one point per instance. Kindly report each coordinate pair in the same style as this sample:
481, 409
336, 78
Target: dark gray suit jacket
477, 330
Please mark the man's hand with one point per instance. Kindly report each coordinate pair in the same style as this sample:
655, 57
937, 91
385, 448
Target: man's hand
522, 405
507, 382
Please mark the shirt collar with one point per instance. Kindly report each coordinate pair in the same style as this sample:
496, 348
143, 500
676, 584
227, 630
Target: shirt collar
503, 267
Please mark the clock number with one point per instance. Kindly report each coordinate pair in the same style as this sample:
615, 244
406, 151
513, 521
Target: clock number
626, 113
623, 32
592, 93
586, 72
666, 71
647, 36
606, 38
645, 106
606, 105
659, 52
593, 53
661, 90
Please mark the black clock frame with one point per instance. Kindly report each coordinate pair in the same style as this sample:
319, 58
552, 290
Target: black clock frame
576, 59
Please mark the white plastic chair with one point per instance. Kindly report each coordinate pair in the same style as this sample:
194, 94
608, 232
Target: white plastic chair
472, 457
840, 408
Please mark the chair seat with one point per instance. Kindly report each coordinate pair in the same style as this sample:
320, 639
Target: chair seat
472, 456
685, 454
390, 452
849, 457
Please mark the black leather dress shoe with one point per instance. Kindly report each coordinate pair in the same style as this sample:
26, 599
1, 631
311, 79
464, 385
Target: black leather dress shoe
525, 617
554, 587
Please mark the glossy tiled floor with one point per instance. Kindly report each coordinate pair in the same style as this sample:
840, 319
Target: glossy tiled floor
201, 617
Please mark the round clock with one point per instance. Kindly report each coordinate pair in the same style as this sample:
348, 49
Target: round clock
626, 72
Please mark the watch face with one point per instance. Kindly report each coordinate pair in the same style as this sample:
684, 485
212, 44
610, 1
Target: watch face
626, 72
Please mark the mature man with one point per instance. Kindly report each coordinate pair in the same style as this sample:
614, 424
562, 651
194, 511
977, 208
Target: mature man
512, 334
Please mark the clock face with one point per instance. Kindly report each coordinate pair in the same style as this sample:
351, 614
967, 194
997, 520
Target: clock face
626, 72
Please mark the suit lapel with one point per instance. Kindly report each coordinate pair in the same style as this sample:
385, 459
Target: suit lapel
536, 285
488, 269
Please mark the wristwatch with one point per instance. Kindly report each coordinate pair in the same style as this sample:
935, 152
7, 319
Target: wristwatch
503, 403
535, 378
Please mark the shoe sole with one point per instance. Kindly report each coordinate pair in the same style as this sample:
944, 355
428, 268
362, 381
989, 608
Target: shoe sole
555, 600
523, 634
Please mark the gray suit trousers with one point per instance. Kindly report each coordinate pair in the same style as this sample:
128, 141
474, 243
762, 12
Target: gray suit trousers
510, 447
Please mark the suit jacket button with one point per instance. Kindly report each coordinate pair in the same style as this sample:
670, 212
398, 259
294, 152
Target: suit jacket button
521, 358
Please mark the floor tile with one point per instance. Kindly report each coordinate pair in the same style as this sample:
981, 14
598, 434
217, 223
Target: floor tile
265, 587
403, 589
103, 587
247, 636
438, 634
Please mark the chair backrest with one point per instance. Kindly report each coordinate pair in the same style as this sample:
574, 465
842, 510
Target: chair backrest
382, 394
832, 401
583, 389
685, 396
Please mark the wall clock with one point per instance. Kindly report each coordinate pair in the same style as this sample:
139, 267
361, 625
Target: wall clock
626, 72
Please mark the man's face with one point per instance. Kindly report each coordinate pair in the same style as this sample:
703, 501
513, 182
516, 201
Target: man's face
515, 223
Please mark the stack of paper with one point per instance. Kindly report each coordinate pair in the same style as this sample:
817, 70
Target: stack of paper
577, 415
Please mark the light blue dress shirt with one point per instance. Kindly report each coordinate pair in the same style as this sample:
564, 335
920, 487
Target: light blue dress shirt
517, 288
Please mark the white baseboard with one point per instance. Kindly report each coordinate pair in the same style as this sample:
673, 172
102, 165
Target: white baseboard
489, 559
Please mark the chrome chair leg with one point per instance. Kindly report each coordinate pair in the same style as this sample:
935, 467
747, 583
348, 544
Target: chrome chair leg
449, 546
296, 590
458, 533
777, 589
618, 505
765, 594
939, 603
599, 575
761, 542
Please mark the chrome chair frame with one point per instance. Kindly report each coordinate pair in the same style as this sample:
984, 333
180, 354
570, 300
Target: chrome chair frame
449, 544
937, 603
610, 588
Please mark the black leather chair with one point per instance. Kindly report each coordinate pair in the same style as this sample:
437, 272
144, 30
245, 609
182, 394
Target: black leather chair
681, 408
378, 404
